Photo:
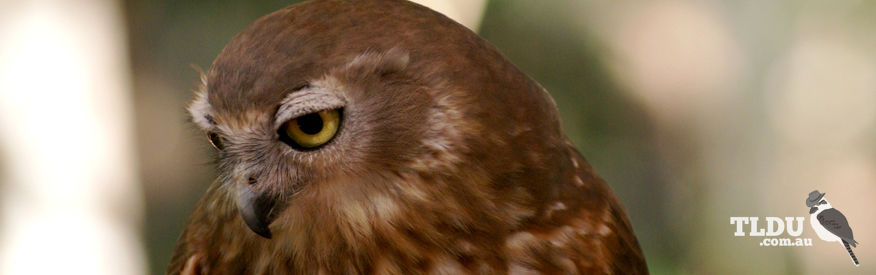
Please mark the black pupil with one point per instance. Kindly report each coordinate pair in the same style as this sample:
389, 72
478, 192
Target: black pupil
310, 123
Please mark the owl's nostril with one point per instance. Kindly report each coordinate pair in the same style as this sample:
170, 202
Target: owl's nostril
252, 181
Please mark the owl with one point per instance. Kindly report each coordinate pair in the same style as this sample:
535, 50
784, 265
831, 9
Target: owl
381, 137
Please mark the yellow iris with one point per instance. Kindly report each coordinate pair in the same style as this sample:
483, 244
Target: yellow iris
314, 129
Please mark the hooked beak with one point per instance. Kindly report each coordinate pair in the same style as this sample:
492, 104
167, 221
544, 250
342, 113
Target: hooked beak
256, 209
813, 209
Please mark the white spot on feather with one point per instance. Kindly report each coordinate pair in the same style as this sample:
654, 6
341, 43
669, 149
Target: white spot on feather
385, 207
604, 230
557, 206
518, 269
445, 265
519, 240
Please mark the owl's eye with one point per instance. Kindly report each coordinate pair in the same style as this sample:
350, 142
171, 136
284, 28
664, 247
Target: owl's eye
311, 130
216, 141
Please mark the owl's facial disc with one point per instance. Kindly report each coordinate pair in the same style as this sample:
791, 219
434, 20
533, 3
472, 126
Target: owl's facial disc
306, 119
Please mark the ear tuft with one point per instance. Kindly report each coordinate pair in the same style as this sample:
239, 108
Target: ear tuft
201, 110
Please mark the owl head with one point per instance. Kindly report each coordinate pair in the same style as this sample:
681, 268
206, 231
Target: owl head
376, 114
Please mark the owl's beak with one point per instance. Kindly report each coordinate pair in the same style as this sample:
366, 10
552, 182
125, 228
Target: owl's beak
256, 210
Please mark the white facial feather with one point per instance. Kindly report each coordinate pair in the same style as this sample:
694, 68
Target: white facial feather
200, 109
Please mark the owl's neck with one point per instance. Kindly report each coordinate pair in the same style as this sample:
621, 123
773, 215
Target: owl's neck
416, 225
359, 229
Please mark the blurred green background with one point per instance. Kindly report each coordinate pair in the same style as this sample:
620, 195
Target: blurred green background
693, 112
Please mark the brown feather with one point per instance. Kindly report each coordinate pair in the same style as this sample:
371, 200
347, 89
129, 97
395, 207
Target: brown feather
450, 159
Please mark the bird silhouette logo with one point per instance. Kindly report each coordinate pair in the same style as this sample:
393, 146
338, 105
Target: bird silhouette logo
830, 224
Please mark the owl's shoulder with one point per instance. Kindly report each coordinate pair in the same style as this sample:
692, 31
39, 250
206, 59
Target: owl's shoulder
583, 242
580, 227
